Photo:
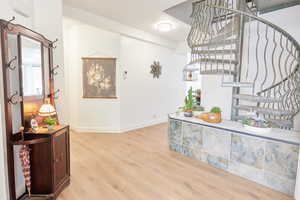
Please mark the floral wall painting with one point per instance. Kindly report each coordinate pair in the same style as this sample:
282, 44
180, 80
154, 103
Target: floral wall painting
156, 69
99, 78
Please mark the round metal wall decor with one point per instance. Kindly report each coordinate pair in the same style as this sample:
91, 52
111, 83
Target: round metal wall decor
156, 69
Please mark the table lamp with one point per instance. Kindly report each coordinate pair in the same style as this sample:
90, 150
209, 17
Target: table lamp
47, 109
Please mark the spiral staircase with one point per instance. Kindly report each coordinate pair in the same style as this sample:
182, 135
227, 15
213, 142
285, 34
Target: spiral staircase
257, 59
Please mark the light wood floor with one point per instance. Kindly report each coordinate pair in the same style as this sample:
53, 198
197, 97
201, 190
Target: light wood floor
139, 166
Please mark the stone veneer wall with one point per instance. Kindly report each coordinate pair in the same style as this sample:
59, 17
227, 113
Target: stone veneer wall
270, 163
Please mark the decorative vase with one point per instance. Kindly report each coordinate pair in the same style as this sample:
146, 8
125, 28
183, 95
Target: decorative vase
188, 114
215, 117
50, 127
211, 117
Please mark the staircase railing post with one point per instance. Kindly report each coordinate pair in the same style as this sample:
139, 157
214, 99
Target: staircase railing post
238, 66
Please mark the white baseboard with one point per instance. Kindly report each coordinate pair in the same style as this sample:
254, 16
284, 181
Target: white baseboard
82, 129
144, 124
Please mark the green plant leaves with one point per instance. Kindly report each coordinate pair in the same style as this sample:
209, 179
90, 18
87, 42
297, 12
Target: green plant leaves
50, 121
216, 110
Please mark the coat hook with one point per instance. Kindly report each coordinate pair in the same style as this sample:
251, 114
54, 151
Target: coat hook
14, 99
52, 44
8, 22
125, 73
53, 70
10, 62
54, 94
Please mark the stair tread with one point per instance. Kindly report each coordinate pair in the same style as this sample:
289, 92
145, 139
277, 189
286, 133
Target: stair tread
267, 111
256, 98
218, 43
224, 36
217, 71
238, 84
281, 121
220, 61
222, 52
232, 26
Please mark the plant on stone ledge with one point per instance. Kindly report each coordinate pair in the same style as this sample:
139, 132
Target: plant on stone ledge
189, 103
216, 110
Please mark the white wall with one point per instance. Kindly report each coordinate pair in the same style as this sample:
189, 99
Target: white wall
215, 95
142, 100
40, 21
48, 21
91, 115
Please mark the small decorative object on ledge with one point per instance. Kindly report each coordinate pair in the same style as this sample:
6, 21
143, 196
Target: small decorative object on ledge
99, 78
34, 123
257, 125
156, 69
214, 116
190, 73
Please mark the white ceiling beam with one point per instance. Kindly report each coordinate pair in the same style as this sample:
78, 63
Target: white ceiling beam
116, 27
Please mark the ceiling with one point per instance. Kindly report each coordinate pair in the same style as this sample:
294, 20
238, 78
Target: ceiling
141, 14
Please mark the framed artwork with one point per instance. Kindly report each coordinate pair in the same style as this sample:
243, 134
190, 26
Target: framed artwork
99, 78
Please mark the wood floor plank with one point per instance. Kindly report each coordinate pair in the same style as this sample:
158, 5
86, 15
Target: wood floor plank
138, 165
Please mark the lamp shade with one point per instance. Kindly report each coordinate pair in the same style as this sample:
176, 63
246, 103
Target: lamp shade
47, 110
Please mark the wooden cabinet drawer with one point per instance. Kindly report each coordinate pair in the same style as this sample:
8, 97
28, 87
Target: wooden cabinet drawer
61, 157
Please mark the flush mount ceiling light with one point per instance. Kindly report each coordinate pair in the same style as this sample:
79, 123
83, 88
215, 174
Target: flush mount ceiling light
164, 26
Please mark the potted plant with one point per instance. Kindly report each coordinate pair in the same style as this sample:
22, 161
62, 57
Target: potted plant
50, 123
215, 115
216, 110
189, 104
